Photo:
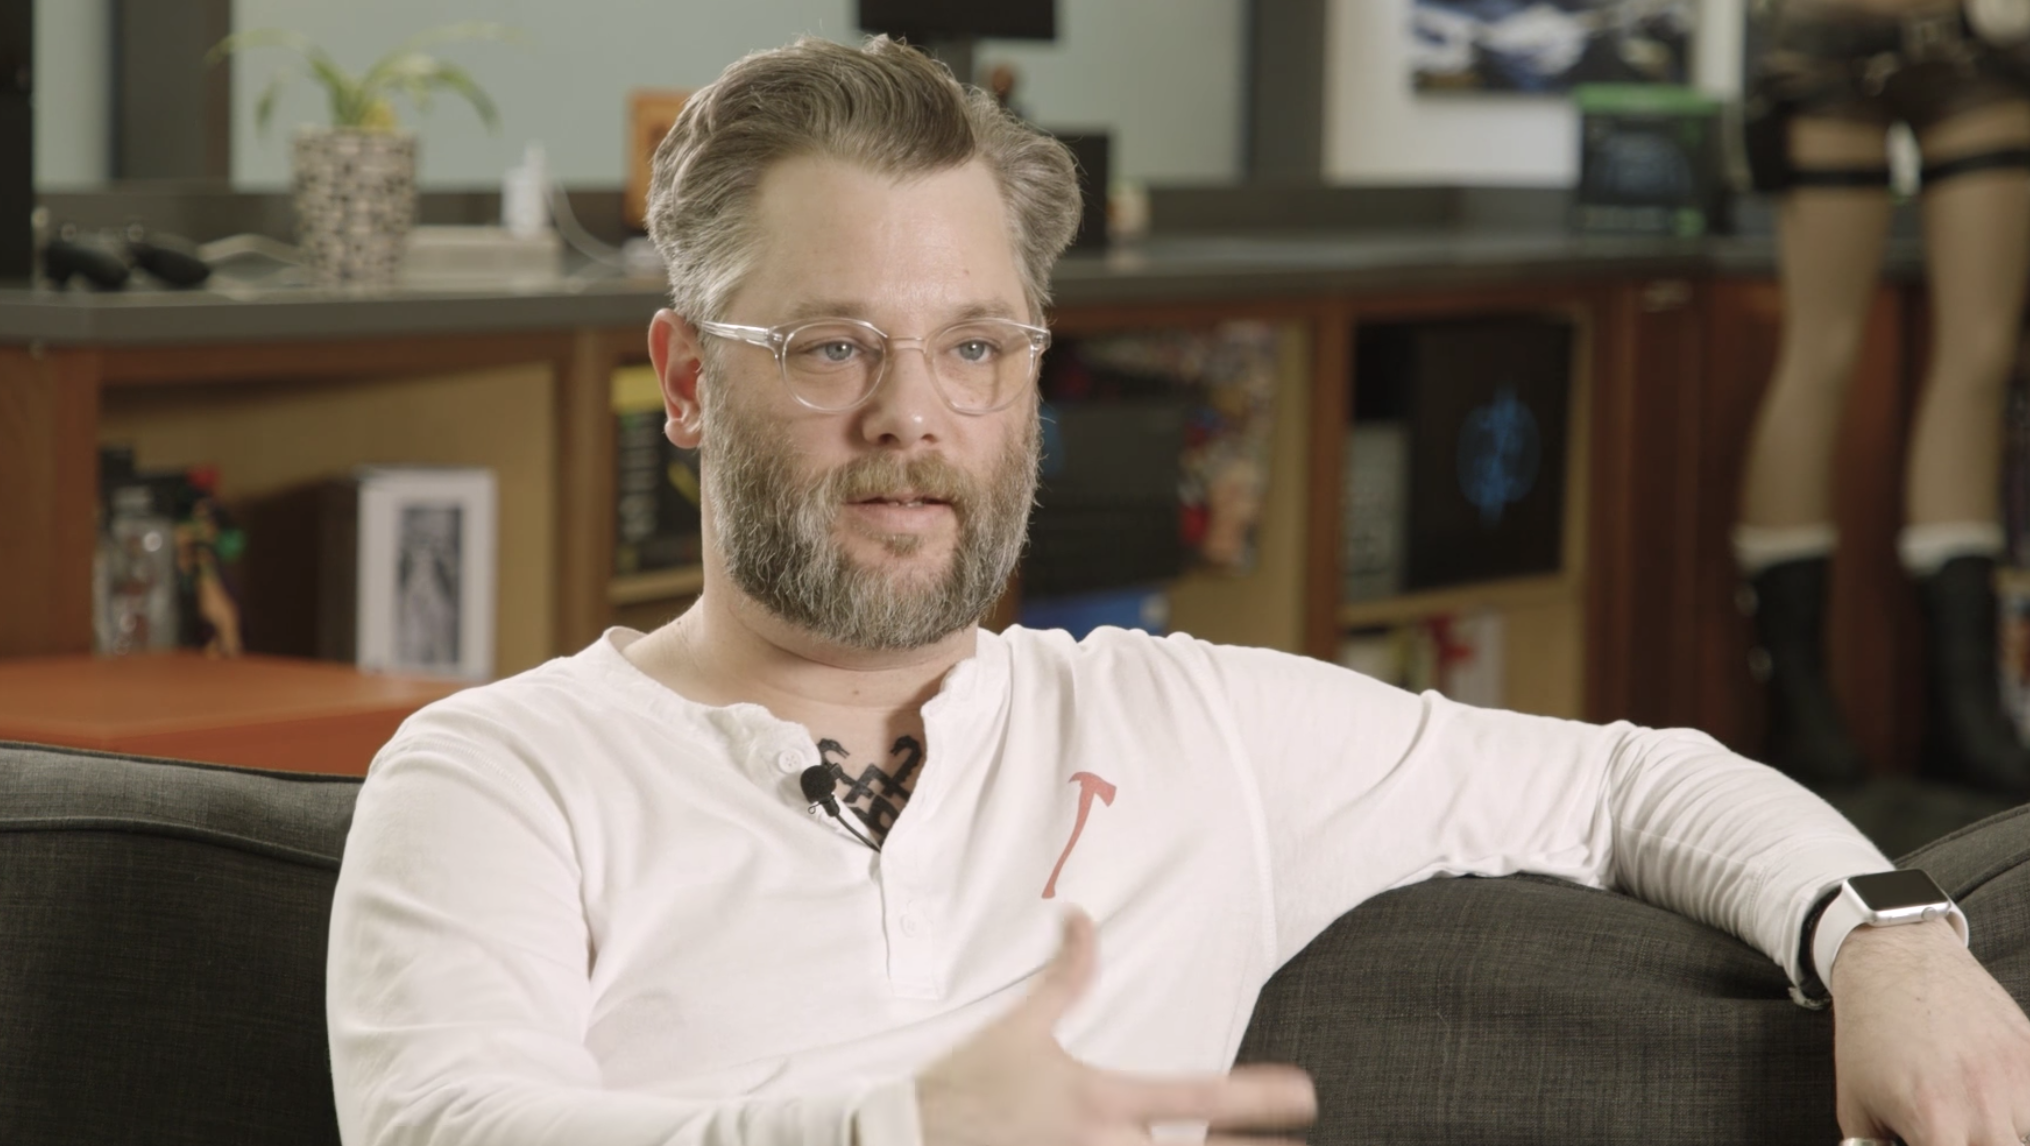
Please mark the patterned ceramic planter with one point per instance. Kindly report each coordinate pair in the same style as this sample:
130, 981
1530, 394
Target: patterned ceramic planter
355, 202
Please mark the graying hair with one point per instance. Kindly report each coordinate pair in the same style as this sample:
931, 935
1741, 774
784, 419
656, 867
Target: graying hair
884, 106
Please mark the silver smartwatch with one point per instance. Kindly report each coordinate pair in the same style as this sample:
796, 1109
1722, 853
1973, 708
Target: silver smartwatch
1884, 899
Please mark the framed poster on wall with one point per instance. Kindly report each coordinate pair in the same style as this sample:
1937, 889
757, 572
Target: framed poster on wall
1548, 46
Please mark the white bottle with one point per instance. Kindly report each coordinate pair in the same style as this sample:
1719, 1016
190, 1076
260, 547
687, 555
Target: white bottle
525, 195
138, 563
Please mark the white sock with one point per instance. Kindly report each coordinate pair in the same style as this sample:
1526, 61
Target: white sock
1758, 547
1926, 548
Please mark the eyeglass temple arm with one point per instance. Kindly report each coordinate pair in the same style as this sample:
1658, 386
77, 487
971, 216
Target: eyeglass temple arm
758, 335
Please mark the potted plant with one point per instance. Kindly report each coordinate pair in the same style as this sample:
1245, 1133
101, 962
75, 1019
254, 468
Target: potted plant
355, 180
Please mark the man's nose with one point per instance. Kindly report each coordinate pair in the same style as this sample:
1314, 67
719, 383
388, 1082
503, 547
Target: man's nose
905, 406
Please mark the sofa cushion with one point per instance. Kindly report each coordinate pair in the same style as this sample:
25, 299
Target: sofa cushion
162, 934
1527, 1010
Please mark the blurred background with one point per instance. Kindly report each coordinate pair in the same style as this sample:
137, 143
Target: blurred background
1425, 336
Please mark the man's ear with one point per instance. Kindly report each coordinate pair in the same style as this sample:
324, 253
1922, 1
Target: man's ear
678, 357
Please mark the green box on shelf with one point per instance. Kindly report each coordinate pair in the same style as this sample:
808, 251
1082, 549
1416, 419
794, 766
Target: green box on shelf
1651, 161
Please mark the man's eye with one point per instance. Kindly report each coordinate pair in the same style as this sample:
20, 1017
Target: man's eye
976, 350
836, 351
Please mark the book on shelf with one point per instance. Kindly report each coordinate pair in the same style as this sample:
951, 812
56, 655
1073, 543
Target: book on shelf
655, 483
1209, 474
1106, 513
1485, 404
409, 569
1373, 505
1457, 654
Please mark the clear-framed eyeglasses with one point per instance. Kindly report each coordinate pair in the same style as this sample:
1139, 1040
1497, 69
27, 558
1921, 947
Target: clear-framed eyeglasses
834, 364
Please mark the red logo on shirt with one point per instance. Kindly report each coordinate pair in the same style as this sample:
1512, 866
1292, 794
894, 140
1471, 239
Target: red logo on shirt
1089, 786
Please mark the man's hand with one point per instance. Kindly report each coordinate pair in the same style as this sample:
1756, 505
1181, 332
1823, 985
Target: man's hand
1926, 1045
1013, 1085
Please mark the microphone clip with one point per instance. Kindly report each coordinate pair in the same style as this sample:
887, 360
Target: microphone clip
816, 782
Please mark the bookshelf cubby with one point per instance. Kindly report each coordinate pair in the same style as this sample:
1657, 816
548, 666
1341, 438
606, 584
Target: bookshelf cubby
281, 414
273, 441
1543, 612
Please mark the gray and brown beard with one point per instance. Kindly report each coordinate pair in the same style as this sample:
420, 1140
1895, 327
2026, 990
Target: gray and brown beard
777, 529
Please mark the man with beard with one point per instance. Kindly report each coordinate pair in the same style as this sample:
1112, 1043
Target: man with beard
594, 904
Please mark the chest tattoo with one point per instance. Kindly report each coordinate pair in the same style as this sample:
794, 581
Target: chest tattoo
878, 793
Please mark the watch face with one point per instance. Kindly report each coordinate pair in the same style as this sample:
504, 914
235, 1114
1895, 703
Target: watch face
1891, 890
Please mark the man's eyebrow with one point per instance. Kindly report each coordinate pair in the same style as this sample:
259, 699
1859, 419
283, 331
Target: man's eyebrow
993, 309
825, 308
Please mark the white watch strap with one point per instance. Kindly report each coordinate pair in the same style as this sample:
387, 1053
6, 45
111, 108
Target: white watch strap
1838, 921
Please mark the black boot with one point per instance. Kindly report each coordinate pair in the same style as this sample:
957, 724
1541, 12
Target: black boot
1969, 738
1808, 738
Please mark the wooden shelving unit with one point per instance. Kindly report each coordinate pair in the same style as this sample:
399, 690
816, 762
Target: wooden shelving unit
1510, 593
1638, 622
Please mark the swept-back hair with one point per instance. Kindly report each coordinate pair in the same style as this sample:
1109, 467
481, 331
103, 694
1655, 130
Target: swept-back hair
884, 106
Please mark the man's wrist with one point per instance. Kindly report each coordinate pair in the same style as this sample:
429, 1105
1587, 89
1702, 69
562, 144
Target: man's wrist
1894, 900
1898, 951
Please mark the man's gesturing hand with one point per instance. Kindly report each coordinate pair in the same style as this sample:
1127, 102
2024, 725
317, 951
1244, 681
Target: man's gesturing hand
1926, 1045
1013, 1085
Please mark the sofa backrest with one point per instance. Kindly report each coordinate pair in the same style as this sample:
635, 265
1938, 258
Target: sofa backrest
162, 934
1526, 1010
163, 927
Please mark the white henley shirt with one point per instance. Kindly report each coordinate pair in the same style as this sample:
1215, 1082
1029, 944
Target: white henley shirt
579, 909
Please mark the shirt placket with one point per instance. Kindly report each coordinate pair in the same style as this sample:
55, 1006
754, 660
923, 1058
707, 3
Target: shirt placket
913, 921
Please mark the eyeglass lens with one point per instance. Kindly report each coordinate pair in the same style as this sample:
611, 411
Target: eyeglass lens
980, 365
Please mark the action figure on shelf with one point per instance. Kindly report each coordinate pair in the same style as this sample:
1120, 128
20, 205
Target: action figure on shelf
1837, 74
207, 544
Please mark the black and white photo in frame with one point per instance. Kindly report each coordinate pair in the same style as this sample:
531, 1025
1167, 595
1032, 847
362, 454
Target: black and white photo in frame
427, 570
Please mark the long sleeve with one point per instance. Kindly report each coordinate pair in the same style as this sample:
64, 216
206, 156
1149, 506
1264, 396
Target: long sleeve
1371, 788
459, 982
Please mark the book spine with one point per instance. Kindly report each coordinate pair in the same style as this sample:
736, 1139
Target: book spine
338, 574
637, 451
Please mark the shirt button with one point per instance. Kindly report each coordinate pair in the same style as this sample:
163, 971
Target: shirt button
789, 761
909, 927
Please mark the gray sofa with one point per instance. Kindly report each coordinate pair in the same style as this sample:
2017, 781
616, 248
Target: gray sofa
162, 931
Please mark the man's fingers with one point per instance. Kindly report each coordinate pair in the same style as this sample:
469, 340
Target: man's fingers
1254, 1097
1065, 978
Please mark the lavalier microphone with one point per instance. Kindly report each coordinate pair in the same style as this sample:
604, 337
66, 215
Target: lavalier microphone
817, 785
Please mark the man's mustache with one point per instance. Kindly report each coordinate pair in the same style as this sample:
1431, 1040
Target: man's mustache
930, 477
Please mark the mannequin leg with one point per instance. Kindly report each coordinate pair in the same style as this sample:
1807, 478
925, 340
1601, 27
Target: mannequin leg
1977, 255
1830, 250
1830, 242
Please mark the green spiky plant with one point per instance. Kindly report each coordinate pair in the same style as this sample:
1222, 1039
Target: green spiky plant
363, 101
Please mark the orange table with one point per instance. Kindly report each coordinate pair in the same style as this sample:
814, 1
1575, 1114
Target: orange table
257, 712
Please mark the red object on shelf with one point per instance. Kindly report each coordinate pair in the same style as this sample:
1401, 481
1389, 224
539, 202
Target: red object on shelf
254, 711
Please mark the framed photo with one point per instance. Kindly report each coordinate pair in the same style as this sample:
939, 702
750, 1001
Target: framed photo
1548, 46
651, 112
425, 570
